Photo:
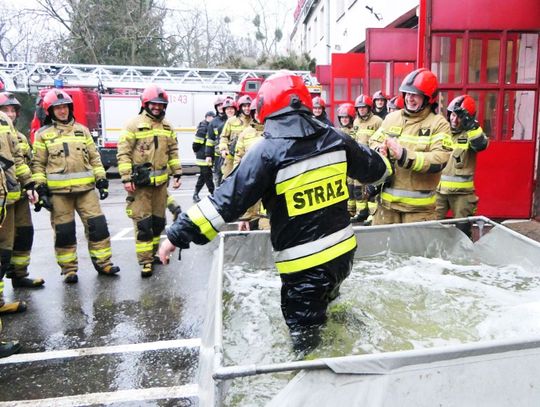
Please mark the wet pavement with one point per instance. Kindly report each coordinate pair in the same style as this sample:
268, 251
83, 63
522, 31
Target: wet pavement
104, 317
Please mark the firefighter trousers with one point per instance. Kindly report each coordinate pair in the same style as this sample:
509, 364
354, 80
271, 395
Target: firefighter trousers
86, 204
386, 216
205, 177
305, 296
16, 238
146, 207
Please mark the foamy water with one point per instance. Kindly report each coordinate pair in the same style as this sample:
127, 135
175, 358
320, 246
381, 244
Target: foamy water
388, 303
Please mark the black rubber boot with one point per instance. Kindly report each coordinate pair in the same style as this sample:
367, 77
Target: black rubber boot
361, 216
196, 197
108, 270
71, 278
146, 270
25, 282
9, 348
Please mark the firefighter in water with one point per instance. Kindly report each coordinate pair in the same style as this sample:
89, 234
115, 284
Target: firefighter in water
213, 158
255, 217
299, 170
456, 189
238, 119
396, 103
379, 104
147, 152
66, 168
365, 125
17, 234
319, 110
205, 169
15, 180
417, 141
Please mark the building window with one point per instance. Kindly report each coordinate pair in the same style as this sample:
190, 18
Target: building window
321, 23
447, 57
484, 62
315, 28
522, 55
518, 113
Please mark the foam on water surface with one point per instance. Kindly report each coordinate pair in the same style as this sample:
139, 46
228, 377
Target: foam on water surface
388, 303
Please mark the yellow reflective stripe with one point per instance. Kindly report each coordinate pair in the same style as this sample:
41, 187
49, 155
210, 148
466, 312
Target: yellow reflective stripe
126, 135
14, 195
170, 200
66, 258
125, 167
39, 145
71, 182
39, 176
316, 259
20, 260
144, 247
457, 185
1, 287
204, 225
475, 133
99, 171
159, 179
173, 162
418, 162
155, 240
101, 253
311, 176
21, 169
153, 132
410, 200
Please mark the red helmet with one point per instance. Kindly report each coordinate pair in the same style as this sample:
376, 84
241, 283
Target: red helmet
9, 99
462, 104
244, 100
379, 95
319, 102
346, 109
396, 103
281, 93
56, 97
363, 101
219, 100
421, 82
229, 102
154, 94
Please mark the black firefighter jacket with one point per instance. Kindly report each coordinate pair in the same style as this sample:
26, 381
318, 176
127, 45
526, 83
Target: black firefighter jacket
299, 170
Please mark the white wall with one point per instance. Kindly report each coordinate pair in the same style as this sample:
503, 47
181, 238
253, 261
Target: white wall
340, 25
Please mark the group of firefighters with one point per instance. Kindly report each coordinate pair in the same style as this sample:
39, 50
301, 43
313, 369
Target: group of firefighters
276, 159
312, 179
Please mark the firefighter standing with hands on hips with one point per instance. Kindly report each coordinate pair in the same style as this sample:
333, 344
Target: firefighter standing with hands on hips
17, 234
299, 170
417, 140
456, 189
147, 151
66, 168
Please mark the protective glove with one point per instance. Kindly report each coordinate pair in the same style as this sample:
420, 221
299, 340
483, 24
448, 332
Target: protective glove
44, 198
103, 187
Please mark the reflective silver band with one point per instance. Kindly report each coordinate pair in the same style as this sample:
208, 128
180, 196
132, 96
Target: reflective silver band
316, 246
312, 163
210, 213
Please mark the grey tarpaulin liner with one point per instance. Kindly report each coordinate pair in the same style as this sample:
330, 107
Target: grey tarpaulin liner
490, 373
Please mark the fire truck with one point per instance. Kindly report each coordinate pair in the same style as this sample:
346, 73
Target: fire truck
105, 97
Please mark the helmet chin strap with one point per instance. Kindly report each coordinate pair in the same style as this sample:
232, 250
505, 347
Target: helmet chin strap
422, 107
159, 117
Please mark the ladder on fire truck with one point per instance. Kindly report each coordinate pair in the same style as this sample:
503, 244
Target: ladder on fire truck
28, 77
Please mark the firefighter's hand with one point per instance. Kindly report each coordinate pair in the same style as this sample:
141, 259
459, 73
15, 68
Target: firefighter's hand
176, 182
166, 248
33, 196
129, 186
209, 160
243, 226
394, 148
224, 153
